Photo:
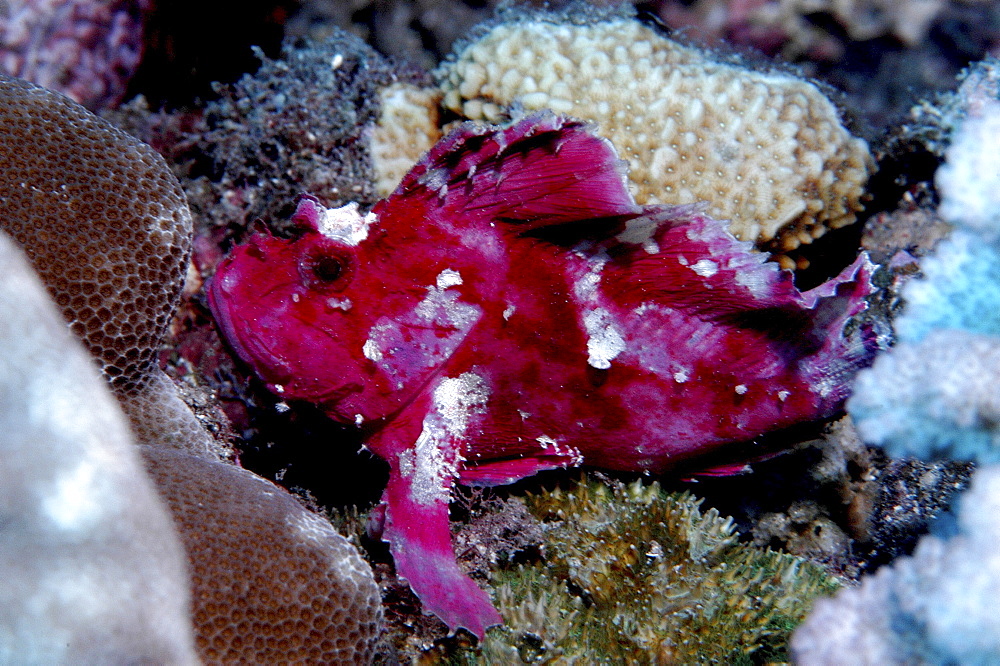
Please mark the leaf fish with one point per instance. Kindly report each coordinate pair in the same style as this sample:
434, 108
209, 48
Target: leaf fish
511, 309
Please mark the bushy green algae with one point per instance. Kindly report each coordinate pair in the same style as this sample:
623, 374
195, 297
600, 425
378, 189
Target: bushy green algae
632, 574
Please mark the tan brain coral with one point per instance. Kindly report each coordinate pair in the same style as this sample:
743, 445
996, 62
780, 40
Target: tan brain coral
104, 212
272, 583
766, 150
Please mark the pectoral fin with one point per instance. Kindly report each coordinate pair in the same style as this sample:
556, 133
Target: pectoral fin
424, 460
420, 542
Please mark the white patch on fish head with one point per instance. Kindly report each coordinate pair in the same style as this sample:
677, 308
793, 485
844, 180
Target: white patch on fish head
346, 224
335, 303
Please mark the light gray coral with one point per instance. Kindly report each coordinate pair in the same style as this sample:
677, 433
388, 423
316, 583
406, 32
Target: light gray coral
936, 607
93, 570
934, 396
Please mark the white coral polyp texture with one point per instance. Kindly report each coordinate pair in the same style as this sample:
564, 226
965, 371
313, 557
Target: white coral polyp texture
935, 607
766, 150
93, 570
969, 181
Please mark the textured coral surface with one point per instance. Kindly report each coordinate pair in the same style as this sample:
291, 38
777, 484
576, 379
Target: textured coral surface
271, 582
107, 226
102, 219
634, 575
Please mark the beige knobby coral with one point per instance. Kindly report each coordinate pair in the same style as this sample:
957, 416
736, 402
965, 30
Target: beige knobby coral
767, 150
407, 127
107, 227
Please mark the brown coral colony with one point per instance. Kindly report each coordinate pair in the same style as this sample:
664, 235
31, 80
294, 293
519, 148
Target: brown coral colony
111, 259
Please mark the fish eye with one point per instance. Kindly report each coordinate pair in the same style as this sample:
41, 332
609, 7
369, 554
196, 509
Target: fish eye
325, 268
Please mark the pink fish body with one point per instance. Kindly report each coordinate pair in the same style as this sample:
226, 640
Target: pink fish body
510, 309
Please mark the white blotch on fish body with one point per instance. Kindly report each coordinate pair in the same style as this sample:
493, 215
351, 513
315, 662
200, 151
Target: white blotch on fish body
552, 447
432, 463
407, 345
339, 303
546, 441
371, 351
705, 268
783, 395
755, 279
741, 389
638, 231
346, 224
436, 180
604, 338
448, 278
509, 311
647, 321
442, 308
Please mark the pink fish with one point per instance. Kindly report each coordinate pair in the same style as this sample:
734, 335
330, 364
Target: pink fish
511, 309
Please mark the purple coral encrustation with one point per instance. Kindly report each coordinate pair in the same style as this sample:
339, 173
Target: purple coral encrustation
85, 49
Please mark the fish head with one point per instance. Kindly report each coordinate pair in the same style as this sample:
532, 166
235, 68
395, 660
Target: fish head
346, 315
286, 306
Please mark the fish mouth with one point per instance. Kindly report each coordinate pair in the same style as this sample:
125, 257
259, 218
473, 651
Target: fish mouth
244, 345
254, 350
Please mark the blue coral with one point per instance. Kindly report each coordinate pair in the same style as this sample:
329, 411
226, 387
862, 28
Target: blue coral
933, 396
960, 291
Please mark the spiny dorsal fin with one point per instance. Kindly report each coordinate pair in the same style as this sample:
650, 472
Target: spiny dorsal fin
542, 171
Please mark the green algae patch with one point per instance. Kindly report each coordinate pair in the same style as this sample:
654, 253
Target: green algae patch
632, 574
